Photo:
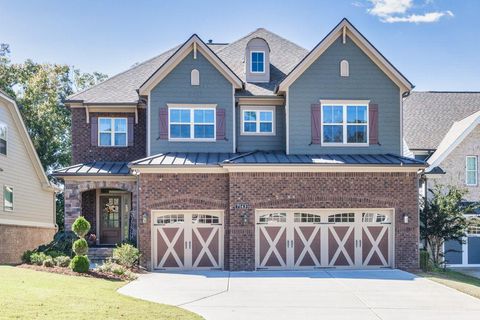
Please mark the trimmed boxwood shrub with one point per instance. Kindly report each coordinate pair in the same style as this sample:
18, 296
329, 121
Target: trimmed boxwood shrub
80, 264
49, 263
38, 258
26, 256
62, 261
80, 247
81, 227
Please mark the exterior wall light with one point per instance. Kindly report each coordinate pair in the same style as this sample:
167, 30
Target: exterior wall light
405, 218
145, 217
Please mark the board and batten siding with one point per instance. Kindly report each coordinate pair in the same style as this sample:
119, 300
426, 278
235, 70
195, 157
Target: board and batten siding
275, 142
176, 88
366, 81
33, 205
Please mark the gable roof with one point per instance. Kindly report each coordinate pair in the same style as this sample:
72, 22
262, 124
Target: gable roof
345, 28
22, 129
193, 43
457, 133
428, 116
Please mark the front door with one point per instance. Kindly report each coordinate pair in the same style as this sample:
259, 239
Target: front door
110, 215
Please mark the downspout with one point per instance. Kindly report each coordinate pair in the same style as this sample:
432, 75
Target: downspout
137, 175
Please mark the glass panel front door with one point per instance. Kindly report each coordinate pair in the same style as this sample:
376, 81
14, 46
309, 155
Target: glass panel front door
110, 219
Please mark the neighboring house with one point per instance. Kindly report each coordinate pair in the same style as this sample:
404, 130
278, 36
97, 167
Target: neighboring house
256, 154
27, 212
442, 127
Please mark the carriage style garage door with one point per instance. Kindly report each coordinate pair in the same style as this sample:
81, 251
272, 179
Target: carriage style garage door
187, 239
309, 239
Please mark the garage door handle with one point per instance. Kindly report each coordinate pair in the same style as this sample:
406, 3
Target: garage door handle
189, 244
186, 244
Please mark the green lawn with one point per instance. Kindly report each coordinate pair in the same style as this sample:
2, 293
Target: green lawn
28, 294
456, 280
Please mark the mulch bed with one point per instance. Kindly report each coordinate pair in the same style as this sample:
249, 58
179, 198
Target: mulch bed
69, 272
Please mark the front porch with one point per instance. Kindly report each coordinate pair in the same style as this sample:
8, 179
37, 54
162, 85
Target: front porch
109, 205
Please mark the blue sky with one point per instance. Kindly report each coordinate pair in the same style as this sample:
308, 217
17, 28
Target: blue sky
435, 43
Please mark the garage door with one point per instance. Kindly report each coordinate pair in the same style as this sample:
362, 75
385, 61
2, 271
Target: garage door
308, 239
187, 240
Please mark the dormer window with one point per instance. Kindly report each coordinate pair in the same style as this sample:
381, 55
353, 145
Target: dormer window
257, 62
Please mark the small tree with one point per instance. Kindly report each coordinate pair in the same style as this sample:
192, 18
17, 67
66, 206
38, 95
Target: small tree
80, 262
442, 219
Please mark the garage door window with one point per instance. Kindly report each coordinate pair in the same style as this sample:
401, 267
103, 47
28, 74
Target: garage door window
170, 218
273, 217
307, 217
342, 217
373, 217
205, 218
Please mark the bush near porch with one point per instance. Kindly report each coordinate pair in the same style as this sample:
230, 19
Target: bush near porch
28, 294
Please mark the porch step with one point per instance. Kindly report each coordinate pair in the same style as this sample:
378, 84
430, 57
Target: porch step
99, 254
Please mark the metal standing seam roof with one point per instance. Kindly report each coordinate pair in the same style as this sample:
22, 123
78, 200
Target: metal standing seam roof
95, 168
273, 158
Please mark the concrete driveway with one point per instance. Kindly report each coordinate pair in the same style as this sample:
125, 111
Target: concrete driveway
365, 294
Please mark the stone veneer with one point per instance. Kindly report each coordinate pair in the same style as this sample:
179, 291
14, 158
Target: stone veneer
15, 240
76, 191
281, 190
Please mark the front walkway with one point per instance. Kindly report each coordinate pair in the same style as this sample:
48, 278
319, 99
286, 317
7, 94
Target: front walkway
332, 294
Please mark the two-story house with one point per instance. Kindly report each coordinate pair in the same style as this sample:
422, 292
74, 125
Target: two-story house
443, 129
257, 154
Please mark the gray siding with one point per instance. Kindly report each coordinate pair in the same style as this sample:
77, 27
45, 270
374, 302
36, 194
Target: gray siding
473, 250
264, 143
214, 88
454, 256
366, 82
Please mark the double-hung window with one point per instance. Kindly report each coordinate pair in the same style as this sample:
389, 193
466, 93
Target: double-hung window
7, 198
112, 132
345, 123
257, 63
192, 123
3, 138
258, 121
471, 170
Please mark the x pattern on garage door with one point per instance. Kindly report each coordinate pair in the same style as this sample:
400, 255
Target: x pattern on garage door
299, 239
188, 240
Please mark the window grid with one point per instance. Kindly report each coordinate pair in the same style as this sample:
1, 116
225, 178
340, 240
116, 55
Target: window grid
273, 217
112, 132
306, 217
373, 217
171, 219
3, 139
471, 172
345, 124
257, 63
205, 219
474, 230
257, 121
192, 124
7, 198
342, 217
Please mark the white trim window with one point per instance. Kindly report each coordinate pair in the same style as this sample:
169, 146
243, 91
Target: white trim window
112, 132
344, 123
471, 172
257, 61
258, 121
7, 198
3, 138
192, 123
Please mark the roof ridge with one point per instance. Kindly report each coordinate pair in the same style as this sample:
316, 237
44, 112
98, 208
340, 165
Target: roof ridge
123, 72
264, 29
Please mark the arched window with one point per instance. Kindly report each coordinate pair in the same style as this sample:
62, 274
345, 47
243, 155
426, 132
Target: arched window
195, 77
344, 68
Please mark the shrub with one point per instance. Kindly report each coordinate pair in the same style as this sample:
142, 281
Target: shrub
62, 261
80, 247
81, 227
49, 263
53, 253
111, 267
425, 262
126, 255
38, 258
62, 243
80, 264
26, 256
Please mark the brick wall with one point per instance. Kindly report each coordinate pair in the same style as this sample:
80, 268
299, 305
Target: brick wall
281, 190
83, 151
15, 240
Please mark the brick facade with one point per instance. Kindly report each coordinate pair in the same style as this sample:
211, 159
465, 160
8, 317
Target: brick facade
281, 190
83, 151
15, 240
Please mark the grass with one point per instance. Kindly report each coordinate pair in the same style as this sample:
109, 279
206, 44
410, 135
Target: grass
456, 280
28, 294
